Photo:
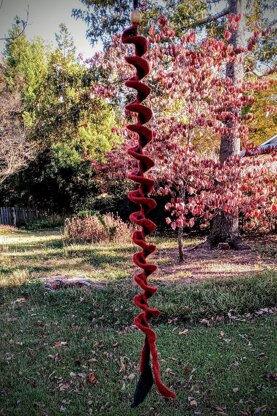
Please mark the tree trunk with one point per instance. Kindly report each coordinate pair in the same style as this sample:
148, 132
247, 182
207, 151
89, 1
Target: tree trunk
226, 229
180, 244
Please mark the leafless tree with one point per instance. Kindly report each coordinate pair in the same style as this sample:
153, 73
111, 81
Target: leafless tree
15, 151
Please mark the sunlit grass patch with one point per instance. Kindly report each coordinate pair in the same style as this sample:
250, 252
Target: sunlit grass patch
27, 238
8, 230
14, 278
165, 243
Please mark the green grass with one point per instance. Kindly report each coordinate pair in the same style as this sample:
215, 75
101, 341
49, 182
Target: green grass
206, 364
227, 367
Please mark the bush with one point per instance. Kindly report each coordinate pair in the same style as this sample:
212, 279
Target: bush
97, 228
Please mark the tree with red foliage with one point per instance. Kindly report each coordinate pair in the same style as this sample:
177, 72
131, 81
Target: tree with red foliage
192, 100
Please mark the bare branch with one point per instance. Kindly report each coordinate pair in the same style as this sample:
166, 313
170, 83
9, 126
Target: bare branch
15, 151
24, 25
213, 18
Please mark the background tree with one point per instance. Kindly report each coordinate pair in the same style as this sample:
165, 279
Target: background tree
65, 41
15, 151
224, 228
28, 61
192, 100
106, 18
64, 118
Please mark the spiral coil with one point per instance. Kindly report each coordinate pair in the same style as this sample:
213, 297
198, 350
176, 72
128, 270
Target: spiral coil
140, 197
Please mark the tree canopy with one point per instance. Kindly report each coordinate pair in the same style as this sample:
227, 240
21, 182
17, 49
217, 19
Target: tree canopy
61, 115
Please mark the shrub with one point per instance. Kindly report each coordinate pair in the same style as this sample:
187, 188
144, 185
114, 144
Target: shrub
97, 228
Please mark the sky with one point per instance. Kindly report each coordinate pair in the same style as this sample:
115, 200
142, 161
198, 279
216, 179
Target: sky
44, 19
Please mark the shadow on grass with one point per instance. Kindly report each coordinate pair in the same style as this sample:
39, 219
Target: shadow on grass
23, 246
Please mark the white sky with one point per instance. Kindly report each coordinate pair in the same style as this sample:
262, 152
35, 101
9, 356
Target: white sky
44, 19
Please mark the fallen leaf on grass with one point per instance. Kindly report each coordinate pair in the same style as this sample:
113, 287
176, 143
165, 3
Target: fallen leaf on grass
222, 335
63, 386
122, 365
172, 321
50, 375
184, 332
60, 344
235, 389
106, 354
191, 374
20, 300
261, 356
246, 339
98, 344
271, 376
260, 409
130, 328
55, 357
262, 311
192, 402
205, 322
91, 378
169, 371
221, 410
9, 357
246, 412
131, 377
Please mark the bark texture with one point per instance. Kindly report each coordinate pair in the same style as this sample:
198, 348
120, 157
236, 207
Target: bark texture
180, 244
226, 229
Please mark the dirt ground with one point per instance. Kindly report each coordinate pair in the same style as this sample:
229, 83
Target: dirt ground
201, 263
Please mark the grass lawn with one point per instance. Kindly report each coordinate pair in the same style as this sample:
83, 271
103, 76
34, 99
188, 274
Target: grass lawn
75, 351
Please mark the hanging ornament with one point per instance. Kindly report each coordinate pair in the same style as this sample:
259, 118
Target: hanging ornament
146, 204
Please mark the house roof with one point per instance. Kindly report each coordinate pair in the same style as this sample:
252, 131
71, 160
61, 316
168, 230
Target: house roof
262, 148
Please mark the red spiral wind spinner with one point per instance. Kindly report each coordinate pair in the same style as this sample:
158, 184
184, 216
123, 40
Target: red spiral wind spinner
146, 204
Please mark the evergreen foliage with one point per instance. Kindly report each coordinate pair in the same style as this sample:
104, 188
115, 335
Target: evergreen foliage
68, 123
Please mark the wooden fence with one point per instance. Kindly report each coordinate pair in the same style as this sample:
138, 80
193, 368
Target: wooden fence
17, 216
